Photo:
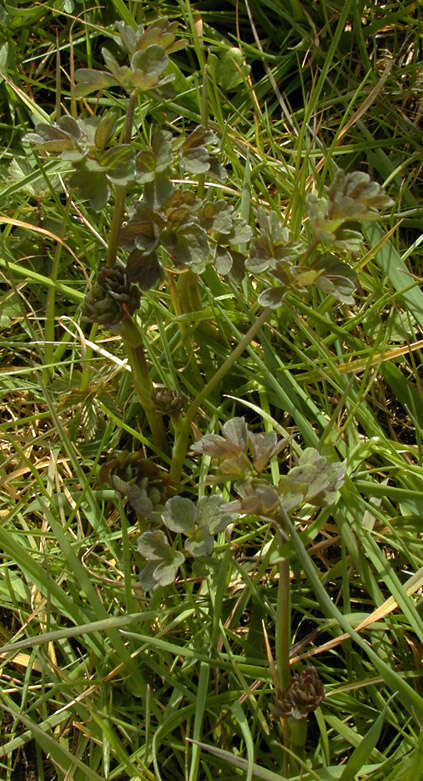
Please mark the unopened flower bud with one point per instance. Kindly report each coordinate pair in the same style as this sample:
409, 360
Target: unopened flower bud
302, 696
110, 297
168, 401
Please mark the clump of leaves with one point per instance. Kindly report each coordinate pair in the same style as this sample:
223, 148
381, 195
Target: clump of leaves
290, 265
87, 145
198, 522
163, 560
192, 231
352, 197
314, 481
241, 456
147, 50
145, 485
238, 452
200, 153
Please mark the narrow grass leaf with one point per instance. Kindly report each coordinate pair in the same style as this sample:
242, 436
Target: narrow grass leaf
246, 732
363, 751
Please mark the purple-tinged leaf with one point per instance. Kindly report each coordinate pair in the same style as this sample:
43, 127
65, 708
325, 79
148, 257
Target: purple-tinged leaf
152, 61
144, 269
236, 431
89, 80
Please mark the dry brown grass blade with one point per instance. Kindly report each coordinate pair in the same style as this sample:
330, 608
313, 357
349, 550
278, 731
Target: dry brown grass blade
390, 604
37, 229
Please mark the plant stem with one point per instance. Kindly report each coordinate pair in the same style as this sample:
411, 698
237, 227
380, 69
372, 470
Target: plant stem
297, 729
283, 625
132, 339
181, 441
120, 190
131, 335
283, 641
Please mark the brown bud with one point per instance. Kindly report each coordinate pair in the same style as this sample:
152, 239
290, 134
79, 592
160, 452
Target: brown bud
111, 296
168, 401
302, 696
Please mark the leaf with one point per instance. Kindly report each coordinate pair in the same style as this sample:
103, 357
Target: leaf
196, 160
146, 576
112, 64
231, 69
152, 61
164, 562
272, 243
154, 546
230, 449
89, 80
161, 32
258, 498
272, 297
179, 514
92, 186
157, 192
336, 278
70, 126
162, 148
127, 36
145, 166
214, 445
118, 162
152, 166
105, 129
198, 149
142, 230
212, 514
200, 543
51, 138
188, 246
317, 208
217, 217
166, 571
223, 262
143, 81
241, 232
137, 495
144, 269
236, 431
314, 479
354, 196
264, 446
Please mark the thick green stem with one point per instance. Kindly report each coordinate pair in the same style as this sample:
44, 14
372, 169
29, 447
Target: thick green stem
132, 339
297, 729
283, 625
283, 641
181, 442
120, 191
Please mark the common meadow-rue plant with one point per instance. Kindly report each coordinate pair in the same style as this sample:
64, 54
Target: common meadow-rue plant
170, 231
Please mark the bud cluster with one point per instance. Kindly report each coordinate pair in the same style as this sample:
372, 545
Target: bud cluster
302, 696
111, 297
168, 401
